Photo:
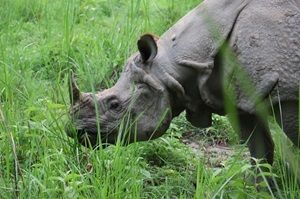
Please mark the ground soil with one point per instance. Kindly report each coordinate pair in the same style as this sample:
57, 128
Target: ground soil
214, 151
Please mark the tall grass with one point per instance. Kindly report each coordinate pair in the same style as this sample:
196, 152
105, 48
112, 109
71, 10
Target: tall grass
40, 41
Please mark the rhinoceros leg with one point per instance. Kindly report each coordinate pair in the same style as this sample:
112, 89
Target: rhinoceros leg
287, 116
256, 134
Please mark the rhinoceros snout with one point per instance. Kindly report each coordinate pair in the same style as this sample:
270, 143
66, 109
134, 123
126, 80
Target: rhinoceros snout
70, 130
87, 139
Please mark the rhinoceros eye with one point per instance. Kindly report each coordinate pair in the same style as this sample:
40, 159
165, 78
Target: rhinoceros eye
141, 86
114, 105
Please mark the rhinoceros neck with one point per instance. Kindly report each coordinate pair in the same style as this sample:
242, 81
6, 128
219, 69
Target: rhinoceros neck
185, 41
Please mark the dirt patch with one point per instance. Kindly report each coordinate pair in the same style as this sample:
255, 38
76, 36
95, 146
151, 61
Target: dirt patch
215, 151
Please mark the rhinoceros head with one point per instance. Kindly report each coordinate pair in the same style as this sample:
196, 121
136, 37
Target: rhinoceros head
139, 98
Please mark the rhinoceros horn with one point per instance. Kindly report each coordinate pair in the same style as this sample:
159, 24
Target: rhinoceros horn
74, 92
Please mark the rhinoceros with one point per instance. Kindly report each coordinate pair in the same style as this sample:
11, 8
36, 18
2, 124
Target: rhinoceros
190, 68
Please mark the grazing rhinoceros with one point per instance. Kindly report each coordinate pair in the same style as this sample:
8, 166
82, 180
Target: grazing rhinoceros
191, 68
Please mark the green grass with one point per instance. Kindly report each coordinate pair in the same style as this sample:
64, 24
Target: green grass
40, 41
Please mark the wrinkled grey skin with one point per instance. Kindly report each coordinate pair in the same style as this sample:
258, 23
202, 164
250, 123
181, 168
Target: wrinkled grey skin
188, 69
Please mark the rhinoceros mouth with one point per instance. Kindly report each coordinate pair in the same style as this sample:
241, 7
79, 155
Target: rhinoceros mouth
91, 139
87, 138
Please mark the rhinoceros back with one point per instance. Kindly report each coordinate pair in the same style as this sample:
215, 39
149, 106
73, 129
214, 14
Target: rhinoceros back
266, 39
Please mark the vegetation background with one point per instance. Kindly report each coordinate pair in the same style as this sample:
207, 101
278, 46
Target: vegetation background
40, 41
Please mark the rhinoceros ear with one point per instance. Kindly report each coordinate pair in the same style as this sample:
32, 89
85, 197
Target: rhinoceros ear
74, 91
147, 47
